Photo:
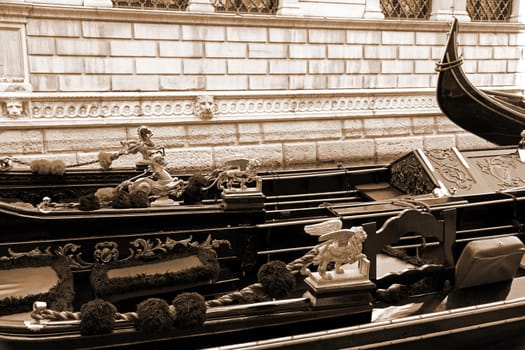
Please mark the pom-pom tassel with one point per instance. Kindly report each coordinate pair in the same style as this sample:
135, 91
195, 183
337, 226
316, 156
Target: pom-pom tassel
97, 317
193, 193
105, 159
154, 316
139, 199
121, 200
57, 167
190, 310
88, 202
46, 167
276, 279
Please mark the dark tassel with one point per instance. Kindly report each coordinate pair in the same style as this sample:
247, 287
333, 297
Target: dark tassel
275, 278
190, 310
193, 193
154, 316
97, 317
139, 199
88, 202
121, 200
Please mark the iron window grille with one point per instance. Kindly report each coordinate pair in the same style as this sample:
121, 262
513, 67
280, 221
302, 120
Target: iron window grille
489, 10
177, 5
246, 6
406, 9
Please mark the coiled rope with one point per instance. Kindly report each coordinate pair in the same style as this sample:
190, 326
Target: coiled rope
443, 67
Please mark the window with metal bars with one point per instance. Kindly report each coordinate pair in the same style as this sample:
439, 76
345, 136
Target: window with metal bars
489, 10
178, 5
246, 6
406, 9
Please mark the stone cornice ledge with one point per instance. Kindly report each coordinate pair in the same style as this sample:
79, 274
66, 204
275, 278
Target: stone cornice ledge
155, 108
181, 17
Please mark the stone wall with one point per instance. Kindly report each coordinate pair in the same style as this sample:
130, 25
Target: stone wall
285, 90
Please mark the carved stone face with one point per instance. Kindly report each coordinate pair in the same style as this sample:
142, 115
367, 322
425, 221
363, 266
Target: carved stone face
14, 109
205, 107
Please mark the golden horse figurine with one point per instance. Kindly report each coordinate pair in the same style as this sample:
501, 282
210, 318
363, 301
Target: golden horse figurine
160, 184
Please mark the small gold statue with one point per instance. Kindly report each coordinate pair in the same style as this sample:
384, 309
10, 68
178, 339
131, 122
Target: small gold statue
339, 246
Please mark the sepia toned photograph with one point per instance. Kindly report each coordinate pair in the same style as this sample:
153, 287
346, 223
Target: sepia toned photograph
262, 174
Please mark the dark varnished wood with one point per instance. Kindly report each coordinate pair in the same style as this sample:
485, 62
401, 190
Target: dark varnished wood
493, 116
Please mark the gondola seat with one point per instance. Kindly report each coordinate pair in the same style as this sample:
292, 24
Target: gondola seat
26, 279
487, 261
176, 270
412, 221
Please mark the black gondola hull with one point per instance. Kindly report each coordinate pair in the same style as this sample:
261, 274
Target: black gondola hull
490, 117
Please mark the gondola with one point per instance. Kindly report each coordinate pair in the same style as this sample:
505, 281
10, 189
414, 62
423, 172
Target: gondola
472, 196
486, 188
494, 116
403, 306
266, 222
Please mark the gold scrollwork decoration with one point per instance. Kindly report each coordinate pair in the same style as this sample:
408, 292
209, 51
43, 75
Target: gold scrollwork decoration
33, 252
108, 251
146, 248
71, 252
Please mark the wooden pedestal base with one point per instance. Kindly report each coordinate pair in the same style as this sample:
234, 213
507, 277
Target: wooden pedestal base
344, 289
245, 199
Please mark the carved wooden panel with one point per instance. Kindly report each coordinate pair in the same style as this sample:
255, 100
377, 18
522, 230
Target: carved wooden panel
410, 176
450, 170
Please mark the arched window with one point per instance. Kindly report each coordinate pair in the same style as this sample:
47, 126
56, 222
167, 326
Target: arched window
489, 10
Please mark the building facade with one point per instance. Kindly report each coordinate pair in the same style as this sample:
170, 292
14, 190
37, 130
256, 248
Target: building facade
290, 82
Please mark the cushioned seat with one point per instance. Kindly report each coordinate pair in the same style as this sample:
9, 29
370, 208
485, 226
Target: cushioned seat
488, 261
179, 269
24, 280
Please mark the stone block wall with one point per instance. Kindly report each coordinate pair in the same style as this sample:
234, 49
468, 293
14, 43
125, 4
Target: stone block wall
285, 90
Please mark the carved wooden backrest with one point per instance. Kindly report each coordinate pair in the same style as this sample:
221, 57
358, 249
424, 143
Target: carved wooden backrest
411, 221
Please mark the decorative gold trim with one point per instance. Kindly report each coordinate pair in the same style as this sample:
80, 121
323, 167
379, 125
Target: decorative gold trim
108, 251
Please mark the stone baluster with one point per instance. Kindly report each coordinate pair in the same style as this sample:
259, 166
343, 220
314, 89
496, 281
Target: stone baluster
373, 10
518, 11
289, 8
445, 10
200, 6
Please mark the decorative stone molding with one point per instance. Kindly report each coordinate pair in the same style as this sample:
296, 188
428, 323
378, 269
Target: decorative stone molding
205, 107
226, 105
13, 108
98, 3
